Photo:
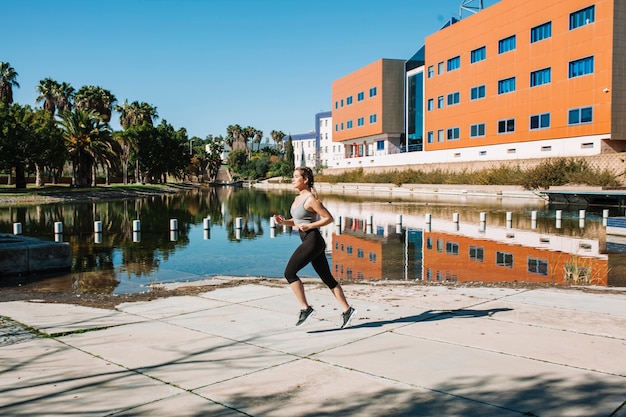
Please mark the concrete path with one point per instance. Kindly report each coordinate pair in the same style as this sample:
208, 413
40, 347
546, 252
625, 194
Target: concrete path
412, 351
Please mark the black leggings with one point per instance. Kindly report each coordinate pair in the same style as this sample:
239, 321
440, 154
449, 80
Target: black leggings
312, 249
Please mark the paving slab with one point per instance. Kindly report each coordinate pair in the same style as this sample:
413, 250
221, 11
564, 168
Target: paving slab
46, 378
179, 356
52, 318
506, 381
168, 307
309, 388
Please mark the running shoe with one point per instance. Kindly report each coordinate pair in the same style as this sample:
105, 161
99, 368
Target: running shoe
305, 315
347, 316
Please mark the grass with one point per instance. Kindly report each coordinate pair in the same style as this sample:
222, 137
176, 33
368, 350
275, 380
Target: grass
52, 189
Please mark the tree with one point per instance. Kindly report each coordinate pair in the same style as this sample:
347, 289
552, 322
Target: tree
47, 90
8, 80
214, 156
94, 98
64, 96
136, 113
47, 149
289, 156
277, 136
88, 141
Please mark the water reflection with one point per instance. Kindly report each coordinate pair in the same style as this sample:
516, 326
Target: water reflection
374, 238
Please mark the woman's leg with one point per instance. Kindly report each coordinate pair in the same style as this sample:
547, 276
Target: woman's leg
299, 259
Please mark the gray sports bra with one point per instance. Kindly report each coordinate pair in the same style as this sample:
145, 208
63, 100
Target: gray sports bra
301, 215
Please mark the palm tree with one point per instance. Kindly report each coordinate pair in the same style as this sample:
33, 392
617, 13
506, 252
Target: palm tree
136, 113
47, 90
278, 136
258, 136
90, 97
7, 82
233, 136
64, 96
88, 140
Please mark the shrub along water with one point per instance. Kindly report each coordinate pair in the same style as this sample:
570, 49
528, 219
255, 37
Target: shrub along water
551, 172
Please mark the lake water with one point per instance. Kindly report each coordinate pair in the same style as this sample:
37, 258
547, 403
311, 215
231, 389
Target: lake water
373, 238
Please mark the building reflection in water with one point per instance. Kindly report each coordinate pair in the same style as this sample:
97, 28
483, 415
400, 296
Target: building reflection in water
451, 251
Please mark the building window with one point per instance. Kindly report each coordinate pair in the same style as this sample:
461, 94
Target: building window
506, 126
506, 44
454, 98
477, 92
506, 86
336, 105
349, 249
440, 68
504, 259
538, 266
431, 71
440, 135
581, 67
341, 102
541, 32
360, 96
429, 243
580, 116
477, 253
540, 121
430, 136
477, 130
453, 133
373, 92
349, 100
478, 54
539, 77
372, 257
452, 248
454, 63
482, 153
372, 118
360, 253
341, 125
546, 148
582, 17
431, 104
360, 121
349, 124
380, 145
439, 245
440, 102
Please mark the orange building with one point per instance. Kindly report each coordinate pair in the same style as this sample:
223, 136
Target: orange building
528, 71
517, 80
368, 109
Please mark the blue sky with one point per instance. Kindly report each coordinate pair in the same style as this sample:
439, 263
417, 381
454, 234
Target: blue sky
207, 64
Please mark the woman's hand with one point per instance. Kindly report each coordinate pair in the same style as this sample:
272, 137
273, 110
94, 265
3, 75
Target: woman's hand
279, 219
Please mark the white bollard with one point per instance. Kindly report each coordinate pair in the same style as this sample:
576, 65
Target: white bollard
97, 226
207, 234
559, 214
509, 216
58, 237
483, 217
17, 228
58, 228
238, 223
339, 221
428, 218
272, 222
370, 220
533, 215
173, 224
207, 223
136, 236
97, 237
136, 225
455, 217
581, 214
399, 219
605, 213
173, 235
